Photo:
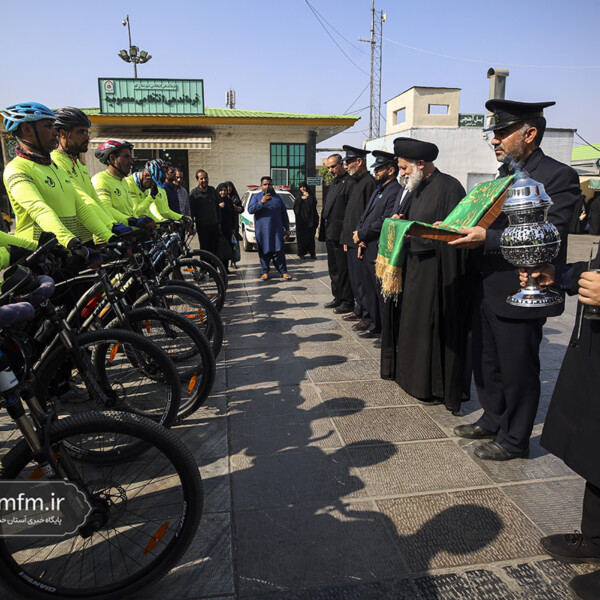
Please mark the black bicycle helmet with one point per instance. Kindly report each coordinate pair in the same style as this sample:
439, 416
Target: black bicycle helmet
105, 149
68, 117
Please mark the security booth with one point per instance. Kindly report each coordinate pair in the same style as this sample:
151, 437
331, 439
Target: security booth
166, 118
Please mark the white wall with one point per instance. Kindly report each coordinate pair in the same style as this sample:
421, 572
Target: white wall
240, 153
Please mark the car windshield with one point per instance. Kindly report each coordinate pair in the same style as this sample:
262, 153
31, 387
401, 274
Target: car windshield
288, 200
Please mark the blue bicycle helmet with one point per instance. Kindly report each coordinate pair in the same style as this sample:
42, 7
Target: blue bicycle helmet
22, 113
158, 170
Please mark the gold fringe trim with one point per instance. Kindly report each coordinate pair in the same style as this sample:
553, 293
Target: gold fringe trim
390, 278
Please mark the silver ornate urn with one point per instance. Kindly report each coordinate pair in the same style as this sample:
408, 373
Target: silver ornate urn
529, 240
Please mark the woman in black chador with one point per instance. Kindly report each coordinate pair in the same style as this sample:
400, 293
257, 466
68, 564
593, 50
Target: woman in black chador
307, 219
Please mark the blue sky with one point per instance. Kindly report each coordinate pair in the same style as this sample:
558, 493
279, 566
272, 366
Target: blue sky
277, 56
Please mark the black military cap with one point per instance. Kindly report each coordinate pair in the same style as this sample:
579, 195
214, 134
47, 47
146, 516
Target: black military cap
353, 153
509, 112
411, 149
382, 159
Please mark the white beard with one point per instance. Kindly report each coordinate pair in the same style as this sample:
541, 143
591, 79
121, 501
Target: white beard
414, 179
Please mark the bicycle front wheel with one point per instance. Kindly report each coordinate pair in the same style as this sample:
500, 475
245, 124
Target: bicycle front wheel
146, 511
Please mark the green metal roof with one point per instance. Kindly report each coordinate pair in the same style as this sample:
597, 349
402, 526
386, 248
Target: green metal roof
234, 112
585, 153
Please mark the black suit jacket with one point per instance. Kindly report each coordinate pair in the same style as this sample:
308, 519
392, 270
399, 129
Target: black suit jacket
379, 208
332, 217
360, 194
500, 278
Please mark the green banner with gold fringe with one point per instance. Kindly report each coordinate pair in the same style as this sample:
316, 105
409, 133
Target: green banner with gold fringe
481, 206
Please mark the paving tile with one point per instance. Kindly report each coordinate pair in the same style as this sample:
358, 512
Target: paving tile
305, 476
215, 485
239, 357
400, 424
206, 569
266, 435
540, 464
381, 590
452, 529
328, 350
452, 586
309, 546
280, 372
554, 506
275, 400
205, 437
351, 370
342, 395
534, 581
417, 467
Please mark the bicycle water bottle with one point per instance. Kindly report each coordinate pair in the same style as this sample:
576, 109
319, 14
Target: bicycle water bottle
8, 380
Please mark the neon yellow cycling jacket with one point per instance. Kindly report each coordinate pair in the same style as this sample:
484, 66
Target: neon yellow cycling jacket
114, 195
80, 178
44, 199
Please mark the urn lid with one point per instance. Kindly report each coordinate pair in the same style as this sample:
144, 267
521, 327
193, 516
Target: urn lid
524, 194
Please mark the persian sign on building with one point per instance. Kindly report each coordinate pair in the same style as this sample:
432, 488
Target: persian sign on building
151, 96
471, 120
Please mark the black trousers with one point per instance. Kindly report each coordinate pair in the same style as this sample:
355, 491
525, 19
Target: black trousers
305, 239
590, 519
506, 366
208, 236
355, 272
373, 297
337, 264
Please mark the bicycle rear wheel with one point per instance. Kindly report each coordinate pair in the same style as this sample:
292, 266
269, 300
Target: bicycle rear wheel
190, 302
123, 371
185, 345
199, 273
146, 511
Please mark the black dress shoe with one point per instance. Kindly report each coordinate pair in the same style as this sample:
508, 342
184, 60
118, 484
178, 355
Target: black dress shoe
351, 317
586, 587
433, 401
571, 547
370, 334
342, 309
494, 451
332, 304
473, 432
361, 326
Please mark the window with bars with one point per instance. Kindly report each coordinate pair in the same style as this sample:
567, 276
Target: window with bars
288, 164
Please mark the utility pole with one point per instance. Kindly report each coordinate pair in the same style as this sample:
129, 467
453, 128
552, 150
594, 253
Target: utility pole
377, 21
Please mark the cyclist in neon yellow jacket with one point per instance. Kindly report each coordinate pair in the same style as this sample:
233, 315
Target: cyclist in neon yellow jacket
147, 189
73, 126
10, 246
41, 193
110, 184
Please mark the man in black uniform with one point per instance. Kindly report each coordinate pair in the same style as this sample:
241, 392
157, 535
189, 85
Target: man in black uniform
506, 339
356, 165
366, 234
572, 427
332, 221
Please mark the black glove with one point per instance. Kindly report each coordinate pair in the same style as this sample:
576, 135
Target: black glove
17, 253
78, 249
45, 237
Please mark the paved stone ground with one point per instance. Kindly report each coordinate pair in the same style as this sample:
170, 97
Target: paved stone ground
324, 482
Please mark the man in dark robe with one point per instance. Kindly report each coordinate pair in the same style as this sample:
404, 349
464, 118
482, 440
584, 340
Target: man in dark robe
433, 323
572, 426
506, 338
367, 231
356, 165
332, 221
272, 227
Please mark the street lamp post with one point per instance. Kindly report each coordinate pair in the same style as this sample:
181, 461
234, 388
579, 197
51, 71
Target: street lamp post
134, 55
